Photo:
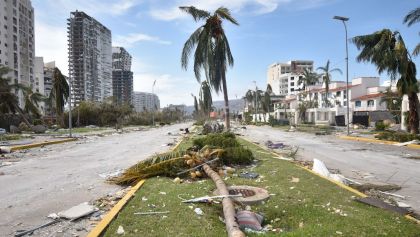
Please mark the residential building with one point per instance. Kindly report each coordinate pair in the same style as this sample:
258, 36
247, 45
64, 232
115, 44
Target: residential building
39, 75
143, 101
17, 42
90, 58
365, 94
284, 77
48, 77
122, 76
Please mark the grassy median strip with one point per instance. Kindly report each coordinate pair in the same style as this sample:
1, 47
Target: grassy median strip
301, 204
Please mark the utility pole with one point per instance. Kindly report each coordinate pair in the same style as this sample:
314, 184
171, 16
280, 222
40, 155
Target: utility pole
154, 103
256, 100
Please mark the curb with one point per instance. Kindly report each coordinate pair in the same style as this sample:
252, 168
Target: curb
103, 224
23, 147
348, 188
364, 139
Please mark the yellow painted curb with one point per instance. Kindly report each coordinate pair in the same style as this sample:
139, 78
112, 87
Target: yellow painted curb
97, 231
22, 147
333, 181
114, 211
364, 139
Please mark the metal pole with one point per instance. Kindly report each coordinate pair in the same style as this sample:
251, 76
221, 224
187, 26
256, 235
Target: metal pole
255, 101
154, 104
70, 94
347, 81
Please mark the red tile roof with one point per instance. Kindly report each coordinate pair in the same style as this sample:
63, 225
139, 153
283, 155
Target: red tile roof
370, 96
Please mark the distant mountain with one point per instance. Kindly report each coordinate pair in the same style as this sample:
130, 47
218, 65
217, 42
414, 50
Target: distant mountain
234, 106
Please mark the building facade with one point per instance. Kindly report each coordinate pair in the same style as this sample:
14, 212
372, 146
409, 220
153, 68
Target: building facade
143, 101
122, 76
284, 77
17, 42
365, 94
90, 58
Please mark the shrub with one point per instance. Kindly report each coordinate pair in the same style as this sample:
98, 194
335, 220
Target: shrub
234, 153
381, 126
397, 136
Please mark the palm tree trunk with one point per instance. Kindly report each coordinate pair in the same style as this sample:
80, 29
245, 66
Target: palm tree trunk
225, 95
413, 102
22, 114
232, 226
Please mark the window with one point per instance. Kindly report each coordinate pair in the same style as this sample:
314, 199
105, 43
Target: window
338, 93
371, 103
358, 103
292, 78
292, 84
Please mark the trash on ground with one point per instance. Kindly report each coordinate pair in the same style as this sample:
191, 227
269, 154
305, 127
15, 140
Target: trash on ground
177, 180
272, 145
209, 199
250, 195
403, 205
120, 230
295, 180
78, 211
381, 204
407, 143
249, 220
151, 213
320, 168
393, 194
20, 233
111, 174
198, 211
249, 175
53, 216
380, 187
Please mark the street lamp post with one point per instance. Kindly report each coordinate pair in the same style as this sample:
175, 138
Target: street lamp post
256, 100
70, 94
344, 19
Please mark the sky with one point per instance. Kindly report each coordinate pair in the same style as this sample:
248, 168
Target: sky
154, 32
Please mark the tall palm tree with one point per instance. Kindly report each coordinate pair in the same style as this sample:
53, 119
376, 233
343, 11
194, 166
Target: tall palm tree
32, 100
9, 102
212, 52
59, 93
387, 50
308, 78
196, 110
413, 17
206, 98
326, 79
266, 102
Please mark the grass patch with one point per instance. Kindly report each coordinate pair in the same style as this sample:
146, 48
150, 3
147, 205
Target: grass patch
311, 207
78, 130
10, 137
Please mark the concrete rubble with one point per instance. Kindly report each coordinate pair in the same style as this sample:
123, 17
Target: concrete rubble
78, 211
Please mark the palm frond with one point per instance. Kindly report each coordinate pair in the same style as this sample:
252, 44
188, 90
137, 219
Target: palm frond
197, 14
416, 50
412, 17
224, 13
189, 46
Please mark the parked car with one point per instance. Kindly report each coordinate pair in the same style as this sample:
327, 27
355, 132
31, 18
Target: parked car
2, 131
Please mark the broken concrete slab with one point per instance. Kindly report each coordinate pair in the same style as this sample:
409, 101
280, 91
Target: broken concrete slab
381, 204
76, 212
249, 175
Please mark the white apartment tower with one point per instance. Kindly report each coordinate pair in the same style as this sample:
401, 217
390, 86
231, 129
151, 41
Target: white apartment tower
122, 76
17, 41
90, 58
143, 101
284, 77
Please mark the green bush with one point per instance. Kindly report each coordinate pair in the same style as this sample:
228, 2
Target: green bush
237, 156
397, 136
381, 126
233, 154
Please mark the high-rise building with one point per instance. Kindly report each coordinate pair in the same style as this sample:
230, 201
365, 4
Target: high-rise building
284, 77
122, 76
17, 41
39, 75
90, 58
144, 101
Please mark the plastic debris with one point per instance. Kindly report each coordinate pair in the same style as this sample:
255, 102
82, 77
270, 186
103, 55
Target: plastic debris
198, 211
78, 211
120, 230
320, 168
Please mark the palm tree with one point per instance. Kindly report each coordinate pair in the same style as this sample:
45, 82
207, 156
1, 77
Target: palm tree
59, 93
266, 102
9, 102
196, 111
393, 103
326, 78
308, 78
387, 50
206, 98
413, 17
212, 52
32, 100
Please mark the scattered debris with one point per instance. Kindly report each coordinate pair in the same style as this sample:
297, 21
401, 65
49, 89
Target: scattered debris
393, 194
272, 145
320, 168
162, 193
209, 199
250, 195
381, 204
53, 216
151, 213
380, 187
198, 166
403, 205
20, 233
249, 220
249, 175
177, 180
407, 143
111, 174
120, 230
78, 211
5, 149
198, 211
295, 180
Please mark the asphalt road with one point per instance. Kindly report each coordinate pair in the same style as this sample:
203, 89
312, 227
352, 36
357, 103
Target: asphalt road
55, 178
365, 162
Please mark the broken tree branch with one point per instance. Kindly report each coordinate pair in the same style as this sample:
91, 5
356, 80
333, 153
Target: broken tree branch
232, 226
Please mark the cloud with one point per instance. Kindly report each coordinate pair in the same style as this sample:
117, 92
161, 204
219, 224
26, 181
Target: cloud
131, 39
51, 43
256, 7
